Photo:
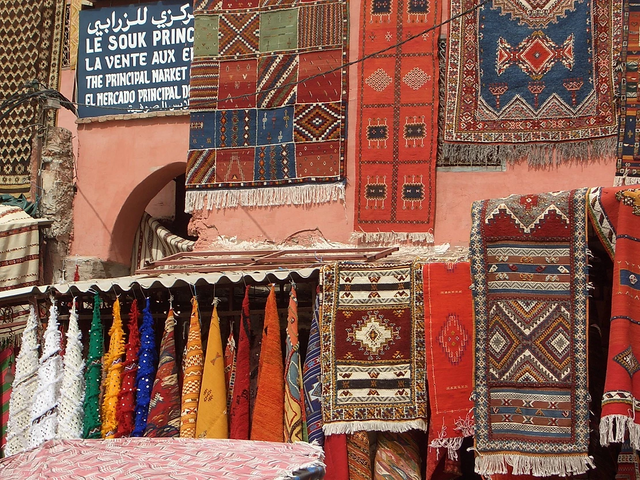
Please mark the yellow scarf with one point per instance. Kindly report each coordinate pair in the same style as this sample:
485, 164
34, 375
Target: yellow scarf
212, 409
113, 361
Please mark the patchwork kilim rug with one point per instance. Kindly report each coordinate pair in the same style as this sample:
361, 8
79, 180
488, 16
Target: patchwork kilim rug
529, 269
628, 166
372, 348
615, 214
30, 49
448, 312
258, 137
538, 73
397, 121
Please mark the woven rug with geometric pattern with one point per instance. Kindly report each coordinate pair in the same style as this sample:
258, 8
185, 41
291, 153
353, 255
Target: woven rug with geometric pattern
628, 166
526, 72
397, 121
268, 103
529, 270
372, 348
615, 214
30, 49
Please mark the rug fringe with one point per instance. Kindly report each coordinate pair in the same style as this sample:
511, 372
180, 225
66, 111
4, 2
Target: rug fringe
536, 154
614, 428
390, 238
620, 181
264, 196
452, 444
336, 428
538, 466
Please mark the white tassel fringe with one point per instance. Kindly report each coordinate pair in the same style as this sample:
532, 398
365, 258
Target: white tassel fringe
613, 429
264, 196
336, 428
538, 466
390, 238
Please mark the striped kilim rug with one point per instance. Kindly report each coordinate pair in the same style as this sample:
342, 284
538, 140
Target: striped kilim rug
529, 268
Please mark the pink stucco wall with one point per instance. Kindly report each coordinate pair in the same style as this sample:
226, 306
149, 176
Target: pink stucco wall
122, 165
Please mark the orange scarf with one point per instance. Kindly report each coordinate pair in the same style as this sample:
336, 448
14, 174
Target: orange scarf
268, 413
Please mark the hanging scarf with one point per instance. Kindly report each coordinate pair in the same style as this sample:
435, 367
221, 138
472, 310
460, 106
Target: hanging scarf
44, 411
193, 363
358, 455
239, 417
93, 375
336, 457
71, 413
147, 356
311, 379
212, 408
114, 372
230, 366
23, 388
268, 414
7, 359
164, 408
293, 408
125, 412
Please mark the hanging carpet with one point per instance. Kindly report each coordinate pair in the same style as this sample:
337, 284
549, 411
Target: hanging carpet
372, 344
628, 166
397, 121
518, 74
257, 137
529, 270
448, 313
615, 214
19, 248
31, 47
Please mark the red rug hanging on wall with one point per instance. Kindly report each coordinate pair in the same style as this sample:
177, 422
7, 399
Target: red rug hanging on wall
529, 270
397, 121
520, 73
615, 214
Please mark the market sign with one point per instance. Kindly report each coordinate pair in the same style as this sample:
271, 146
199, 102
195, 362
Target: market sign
134, 58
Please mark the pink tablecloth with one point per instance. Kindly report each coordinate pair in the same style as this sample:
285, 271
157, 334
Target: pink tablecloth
179, 458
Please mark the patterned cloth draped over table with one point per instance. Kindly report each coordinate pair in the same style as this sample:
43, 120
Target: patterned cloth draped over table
372, 348
628, 167
615, 213
538, 72
397, 121
30, 49
195, 459
257, 137
449, 338
529, 270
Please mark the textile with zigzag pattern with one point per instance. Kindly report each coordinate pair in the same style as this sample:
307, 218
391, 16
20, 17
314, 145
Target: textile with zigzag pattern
529, 267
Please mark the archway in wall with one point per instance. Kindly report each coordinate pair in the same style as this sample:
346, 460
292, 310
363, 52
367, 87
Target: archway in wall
142, 197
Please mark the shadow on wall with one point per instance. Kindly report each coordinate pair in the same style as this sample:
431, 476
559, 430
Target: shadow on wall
126, 223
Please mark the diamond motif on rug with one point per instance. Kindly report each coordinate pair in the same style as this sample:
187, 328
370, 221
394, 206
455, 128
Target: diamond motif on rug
454, 338
379, 80
416, 78
374, 333
628, 361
